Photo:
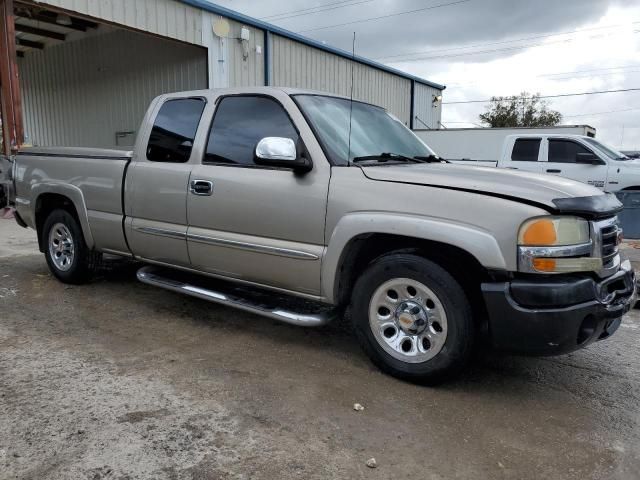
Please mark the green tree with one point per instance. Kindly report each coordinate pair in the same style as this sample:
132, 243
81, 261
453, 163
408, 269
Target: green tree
522, 110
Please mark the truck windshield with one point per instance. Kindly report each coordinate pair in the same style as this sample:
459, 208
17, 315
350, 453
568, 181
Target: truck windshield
373, 130
607, 150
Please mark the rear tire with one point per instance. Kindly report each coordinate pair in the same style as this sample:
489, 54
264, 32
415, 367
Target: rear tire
68, 256
412, 318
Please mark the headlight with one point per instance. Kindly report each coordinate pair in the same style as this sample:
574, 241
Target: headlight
556, 245
554, 231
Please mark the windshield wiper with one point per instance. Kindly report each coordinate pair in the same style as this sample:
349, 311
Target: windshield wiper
432, 159
385, 157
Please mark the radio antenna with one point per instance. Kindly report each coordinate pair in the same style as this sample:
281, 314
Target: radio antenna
353, 62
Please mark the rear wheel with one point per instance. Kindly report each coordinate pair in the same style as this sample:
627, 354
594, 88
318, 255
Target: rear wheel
66, 252
412, 318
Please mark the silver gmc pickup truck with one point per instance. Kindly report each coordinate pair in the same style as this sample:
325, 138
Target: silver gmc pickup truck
303, 206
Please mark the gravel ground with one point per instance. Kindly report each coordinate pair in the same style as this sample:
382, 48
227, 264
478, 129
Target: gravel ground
118, 380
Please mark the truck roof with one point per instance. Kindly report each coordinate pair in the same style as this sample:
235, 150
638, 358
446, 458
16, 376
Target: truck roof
550, 135
492, 129
240, 90
259, 90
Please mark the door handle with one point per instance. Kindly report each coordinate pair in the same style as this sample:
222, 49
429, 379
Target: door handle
201, 187
554, 170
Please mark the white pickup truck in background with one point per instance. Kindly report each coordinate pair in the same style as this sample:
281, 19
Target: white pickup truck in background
577, 157
485, 143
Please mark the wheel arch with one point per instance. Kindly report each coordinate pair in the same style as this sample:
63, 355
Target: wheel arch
50, 197
361, 238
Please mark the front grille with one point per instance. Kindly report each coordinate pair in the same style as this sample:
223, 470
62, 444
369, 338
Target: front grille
609, 233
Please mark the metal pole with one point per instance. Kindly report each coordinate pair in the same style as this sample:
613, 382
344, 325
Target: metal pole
267, 58
412, 107
11, 107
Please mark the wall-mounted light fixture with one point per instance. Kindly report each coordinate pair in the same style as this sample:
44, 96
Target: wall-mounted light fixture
436, 101
62, 19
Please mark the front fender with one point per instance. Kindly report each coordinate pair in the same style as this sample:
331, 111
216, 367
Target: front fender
471, 238
74, 194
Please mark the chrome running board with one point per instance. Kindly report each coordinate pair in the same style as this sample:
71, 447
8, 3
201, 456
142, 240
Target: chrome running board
197, 286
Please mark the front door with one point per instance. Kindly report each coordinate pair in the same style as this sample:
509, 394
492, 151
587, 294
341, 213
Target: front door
259, 224
157, 184
562, 155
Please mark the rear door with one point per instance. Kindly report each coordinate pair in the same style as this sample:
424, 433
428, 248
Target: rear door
259, 224
157, 183
523, 154
562, 153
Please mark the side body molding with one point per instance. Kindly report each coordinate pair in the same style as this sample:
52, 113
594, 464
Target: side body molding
74, 194
478, 242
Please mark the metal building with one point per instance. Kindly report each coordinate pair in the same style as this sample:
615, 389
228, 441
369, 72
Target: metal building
81, 72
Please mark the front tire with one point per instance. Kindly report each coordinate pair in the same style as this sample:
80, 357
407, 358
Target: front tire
412, 318
68, 256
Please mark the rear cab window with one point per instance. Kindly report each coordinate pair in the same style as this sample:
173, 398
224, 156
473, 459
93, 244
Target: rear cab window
526, 150
174, 130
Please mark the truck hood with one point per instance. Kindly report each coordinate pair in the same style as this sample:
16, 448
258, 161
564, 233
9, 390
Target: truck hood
555, 194
633, 163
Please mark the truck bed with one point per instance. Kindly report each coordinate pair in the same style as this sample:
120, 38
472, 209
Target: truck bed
77, 152
92, 177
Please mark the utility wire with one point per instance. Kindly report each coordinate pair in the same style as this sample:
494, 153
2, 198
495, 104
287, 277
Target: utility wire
505, 49
593, 75
590, 70
480, 45
385, 16
318, 9
555, 77
600, 113
304, 9
552, 96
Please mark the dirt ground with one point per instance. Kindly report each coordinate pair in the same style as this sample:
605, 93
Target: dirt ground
118, 380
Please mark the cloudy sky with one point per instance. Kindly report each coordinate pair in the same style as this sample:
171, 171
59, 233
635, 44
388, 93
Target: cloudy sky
481, 48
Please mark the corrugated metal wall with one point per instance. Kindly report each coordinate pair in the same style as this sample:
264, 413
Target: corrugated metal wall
297, 65
245, 71
81, 93
179, 21
163, 17
426, 115
293, 64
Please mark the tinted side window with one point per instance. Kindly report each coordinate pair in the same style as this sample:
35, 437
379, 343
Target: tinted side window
174, 130
240, 123
526, 150
564, 151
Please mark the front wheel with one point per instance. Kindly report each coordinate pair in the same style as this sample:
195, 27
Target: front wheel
412, 318
67, 254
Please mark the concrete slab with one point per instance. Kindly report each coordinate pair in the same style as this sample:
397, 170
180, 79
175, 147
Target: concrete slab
15, 240
116, 379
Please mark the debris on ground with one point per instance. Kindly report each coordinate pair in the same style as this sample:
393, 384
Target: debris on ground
8, 292
371, 463
357, 407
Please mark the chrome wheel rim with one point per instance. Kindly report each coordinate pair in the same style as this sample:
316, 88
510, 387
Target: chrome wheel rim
408, 320
61, 247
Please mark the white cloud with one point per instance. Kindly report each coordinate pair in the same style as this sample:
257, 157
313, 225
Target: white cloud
536, 69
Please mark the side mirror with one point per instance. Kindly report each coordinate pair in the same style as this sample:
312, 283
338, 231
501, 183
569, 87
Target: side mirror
281, 152
589, 159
